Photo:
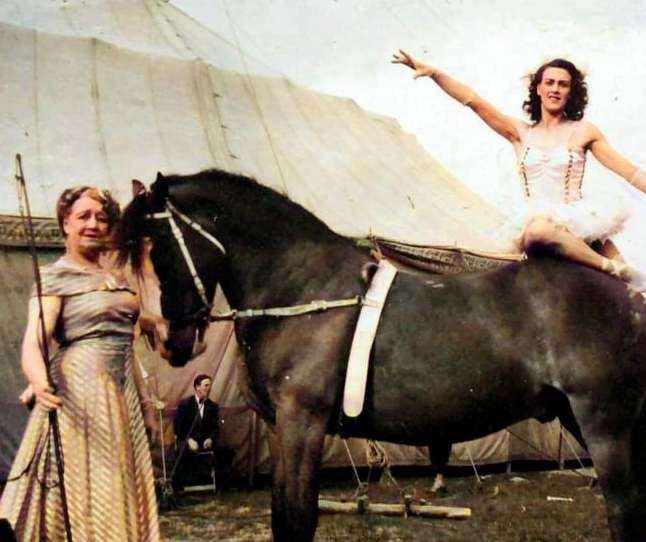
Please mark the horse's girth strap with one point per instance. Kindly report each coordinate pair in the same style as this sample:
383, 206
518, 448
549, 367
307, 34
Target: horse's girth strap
294, 310
364, 335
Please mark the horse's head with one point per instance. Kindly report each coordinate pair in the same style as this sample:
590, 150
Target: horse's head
157, 220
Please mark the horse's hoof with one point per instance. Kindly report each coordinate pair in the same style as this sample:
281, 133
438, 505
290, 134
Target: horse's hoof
441, 491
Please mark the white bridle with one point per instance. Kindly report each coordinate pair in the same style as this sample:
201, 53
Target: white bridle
296, 310
170, 214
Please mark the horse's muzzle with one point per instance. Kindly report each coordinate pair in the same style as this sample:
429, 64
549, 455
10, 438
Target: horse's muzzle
183, 344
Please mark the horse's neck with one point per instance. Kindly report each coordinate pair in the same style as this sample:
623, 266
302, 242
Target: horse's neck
303, 271
283, 254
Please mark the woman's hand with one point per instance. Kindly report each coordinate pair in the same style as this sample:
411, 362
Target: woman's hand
508, 127
155, 328
27, 396
421, 70
44, 395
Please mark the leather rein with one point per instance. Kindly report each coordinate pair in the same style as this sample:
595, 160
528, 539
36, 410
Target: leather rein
204, 314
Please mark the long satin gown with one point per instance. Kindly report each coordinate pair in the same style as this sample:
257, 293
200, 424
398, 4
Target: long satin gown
107, 466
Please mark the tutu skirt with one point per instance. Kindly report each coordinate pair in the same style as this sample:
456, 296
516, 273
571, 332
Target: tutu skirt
598, 216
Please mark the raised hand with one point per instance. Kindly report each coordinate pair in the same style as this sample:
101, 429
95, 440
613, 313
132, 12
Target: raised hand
420, 69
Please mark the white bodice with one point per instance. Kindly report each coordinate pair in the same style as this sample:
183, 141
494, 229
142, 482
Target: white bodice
554, 176
552, 185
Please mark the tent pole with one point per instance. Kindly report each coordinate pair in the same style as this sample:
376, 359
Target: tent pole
253, 433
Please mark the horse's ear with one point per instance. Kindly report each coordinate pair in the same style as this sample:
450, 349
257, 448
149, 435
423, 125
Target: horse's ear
137, 188
160, 186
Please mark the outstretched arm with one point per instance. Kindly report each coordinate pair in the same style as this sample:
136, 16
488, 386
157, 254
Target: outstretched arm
502, 124
614, 161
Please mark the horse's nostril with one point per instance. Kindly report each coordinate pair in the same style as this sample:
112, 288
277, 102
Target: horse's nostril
179, 359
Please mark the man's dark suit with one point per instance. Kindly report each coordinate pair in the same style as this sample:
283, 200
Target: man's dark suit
189, 424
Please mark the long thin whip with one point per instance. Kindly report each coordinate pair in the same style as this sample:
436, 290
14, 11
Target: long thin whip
25, 214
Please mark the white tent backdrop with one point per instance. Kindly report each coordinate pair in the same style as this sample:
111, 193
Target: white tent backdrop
103, 91
344, 48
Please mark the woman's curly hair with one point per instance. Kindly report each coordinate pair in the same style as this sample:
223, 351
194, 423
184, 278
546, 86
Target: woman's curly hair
70, 195
577, 101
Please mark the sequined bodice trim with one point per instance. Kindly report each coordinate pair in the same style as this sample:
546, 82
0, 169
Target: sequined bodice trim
555, 175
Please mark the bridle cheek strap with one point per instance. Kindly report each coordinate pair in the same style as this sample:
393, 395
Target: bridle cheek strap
177, 233
169, 214
196, 226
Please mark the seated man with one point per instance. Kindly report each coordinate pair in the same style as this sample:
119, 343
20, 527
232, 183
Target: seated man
196, 427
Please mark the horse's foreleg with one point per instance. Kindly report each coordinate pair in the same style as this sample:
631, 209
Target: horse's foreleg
297, 449
278, 484
618, 458
439, 454
623, 490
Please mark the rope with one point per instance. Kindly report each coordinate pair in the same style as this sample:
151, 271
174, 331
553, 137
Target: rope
540, 452
254, 98
376, 455
473, 466
567, 441
362, 488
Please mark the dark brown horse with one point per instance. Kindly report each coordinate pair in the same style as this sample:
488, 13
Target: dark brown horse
455, 358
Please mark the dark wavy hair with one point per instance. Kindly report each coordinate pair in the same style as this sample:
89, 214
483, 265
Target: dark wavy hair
577, 101
199, 379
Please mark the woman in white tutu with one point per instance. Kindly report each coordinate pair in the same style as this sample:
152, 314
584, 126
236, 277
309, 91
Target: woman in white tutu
551, 152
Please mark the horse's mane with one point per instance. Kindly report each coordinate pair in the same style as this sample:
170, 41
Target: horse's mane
129, 233
242, 188
233, 188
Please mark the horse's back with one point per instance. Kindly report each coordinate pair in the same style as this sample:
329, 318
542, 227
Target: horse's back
485, 346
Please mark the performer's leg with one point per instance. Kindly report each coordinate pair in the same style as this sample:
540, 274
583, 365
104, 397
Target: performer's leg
544, 232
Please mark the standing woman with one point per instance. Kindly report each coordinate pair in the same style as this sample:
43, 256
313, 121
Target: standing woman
551, 152
90, 312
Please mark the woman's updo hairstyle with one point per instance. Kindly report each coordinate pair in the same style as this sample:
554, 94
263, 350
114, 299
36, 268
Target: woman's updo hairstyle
70, 195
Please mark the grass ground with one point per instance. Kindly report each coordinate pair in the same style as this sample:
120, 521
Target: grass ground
505, 507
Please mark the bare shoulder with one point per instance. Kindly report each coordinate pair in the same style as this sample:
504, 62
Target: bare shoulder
589, 131
522, 128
